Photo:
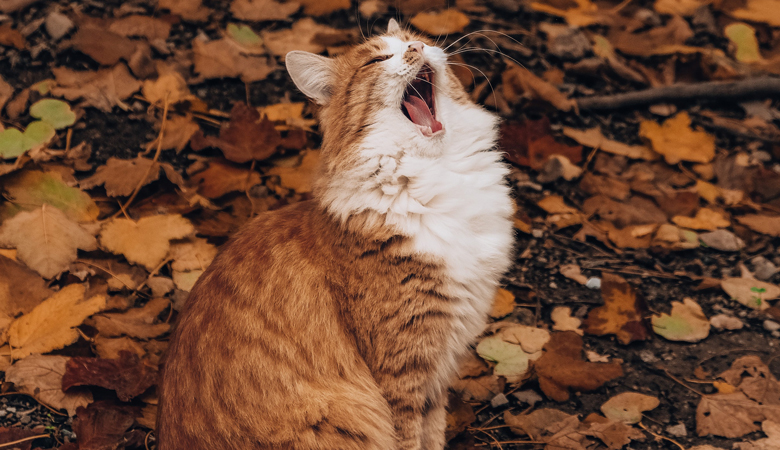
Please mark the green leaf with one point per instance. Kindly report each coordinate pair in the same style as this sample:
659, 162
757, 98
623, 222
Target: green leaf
743, 36
29, 189
758, 290
55, 112
13, 143
511, 361
244, 35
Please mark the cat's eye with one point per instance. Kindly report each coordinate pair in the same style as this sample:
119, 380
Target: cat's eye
377, 59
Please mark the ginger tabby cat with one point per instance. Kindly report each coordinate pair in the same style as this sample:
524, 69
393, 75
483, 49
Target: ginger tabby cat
338, 323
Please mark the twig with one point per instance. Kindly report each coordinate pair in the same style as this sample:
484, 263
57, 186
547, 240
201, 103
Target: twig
682, 384
755, 87
514, 442
31, 438
661, 437
154, 160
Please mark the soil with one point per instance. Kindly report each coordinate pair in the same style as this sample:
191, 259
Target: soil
656, 367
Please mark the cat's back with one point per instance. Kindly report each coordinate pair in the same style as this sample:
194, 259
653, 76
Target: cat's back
259, 355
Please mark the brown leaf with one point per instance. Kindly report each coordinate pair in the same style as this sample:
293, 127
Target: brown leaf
223, 177
595, 139
103, 46
530, 144
223, 58
47, 241
503, 304
246, 137
600, 185
111, 348
518, 81
322, 7
535, 423
192, 254
561, 368
634, 211
10, 37
438, 23
6, 92
663, 40
753, 377
307, 35
615, 435
12, 434
139, 323
146, 241
178, 132
622, 314
137, 25
480, 389
102, 425
763, 223
262, 10
189, 10
103, 89
732, 415
299, 178
21, 290
677, 141
41, 377
121, 176
128, 375
459, 416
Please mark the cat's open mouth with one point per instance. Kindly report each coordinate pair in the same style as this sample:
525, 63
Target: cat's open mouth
418, 103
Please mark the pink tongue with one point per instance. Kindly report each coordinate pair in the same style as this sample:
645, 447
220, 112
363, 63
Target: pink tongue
420, 114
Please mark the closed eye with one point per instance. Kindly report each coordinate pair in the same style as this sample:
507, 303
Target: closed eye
377, 59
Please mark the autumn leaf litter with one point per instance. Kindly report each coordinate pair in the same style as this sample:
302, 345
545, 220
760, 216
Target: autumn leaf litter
641, 311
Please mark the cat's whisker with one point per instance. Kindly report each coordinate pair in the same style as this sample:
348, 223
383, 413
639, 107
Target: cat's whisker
495, 100
474, 49
484, 31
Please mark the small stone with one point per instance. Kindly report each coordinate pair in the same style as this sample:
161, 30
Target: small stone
763, 269
25, 420
593, 283
553, 285
771, 325
726, 322
677, 430
528, 397
648, 356
58, 25
722, 240
10, 409
537, 233
499, 400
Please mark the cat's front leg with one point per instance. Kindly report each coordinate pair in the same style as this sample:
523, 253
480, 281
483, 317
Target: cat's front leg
435, 421
404, 393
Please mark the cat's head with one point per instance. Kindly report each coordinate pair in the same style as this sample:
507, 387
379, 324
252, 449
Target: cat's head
395, 89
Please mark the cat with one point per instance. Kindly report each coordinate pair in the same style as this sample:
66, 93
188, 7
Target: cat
338, 323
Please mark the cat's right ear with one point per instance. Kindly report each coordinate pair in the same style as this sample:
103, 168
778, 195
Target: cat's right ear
313, 74
393, 27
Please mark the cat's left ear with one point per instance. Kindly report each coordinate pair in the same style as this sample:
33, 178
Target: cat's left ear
313, 74
393, 27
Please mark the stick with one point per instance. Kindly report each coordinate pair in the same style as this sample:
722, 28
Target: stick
755, 87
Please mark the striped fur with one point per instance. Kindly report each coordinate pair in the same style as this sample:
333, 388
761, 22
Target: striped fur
338, 323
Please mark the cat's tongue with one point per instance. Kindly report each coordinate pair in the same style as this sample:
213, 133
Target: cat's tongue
421, 115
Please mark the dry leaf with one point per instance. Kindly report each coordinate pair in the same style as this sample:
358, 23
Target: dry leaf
762, 11
322, 7
676, 141
102, 425
128, 376
147, 241
103, 89
732, 415
222, 177
306, 35
111, 348
765, 224
683, 8
573, 272
262, 10
170, 86
518, 81
194, 253
622, 313
503, 304
686, 322
530, 144
137, 25
137, 322
21, 290
706, 219
41, 377
628, 407
52, 324
615, 435
46, 240
659, 40
223, 58
121, 176
563, 320
299, 178
535, 423
190, 10
480, 389
554, 204
247, 136
511, 361
103, 46
6, 92
27, 190
594, 139
749, 292
439, 23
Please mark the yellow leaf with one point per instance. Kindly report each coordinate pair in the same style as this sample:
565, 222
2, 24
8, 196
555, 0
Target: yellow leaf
147, 241
299, 178
281, 112
170, 85
763, 11
706, 219
676, 141
440, 23
724, 388
743, 36
594, 139
503, 304
52, 324
679, 7
554, 204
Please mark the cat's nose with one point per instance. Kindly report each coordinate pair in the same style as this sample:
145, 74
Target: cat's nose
416, 46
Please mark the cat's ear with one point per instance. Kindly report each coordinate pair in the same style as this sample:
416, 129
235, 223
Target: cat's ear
393, 27
313, 74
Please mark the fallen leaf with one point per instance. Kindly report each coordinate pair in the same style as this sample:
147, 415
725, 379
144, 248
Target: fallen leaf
141, 323
121, 176
146, 241
189, 10
110, 348
55, 112
732, 415
563, 320
480, 389
722, 240
128, 375
743, 36
573, 272
102, 89
247, 136
762, 223
10, 37
306, 35
614, 434
683, 8
529, 143
659, 40
622, 313
14, 143
178, 132
511, 361
6, 92
578, 13
439, 23
749, 292
676, 141
102, 425
223, 58
21, 289
46, 239
686, 322
554, 204
535, 423
531, 339
503, 304
194, 253
636, 210
594, 139
323, 7
762, 11
518, 81
299, 178
262, 10
9, 435
222, 177
41, 377
185, 280
771, 442
557, 167
561, 368
103, 46
170, 86
138, 25
706, 219
52, 324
